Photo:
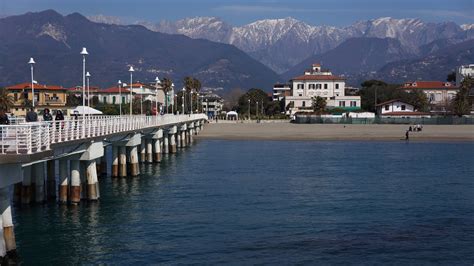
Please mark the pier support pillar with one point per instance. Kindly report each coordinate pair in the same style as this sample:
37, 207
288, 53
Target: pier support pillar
178, 140
92, 184
51, 180
38, 170
103, 164
149, 151
122, 161
7, 223
143, 151
172, 143
26, 186
115, 161
157, 145
75, 193
183, 139
166, 143
134, 170
63, 181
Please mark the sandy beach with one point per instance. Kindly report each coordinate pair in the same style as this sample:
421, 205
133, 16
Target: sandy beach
288, 131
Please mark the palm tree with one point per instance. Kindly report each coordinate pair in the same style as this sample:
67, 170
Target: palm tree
6, 101
166, 84
188, 85
197, 88
319, 104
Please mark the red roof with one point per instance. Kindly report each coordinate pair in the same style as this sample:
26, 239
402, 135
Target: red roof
391, 101
26, 85
114, 90
316, 65
429, 85
318, 77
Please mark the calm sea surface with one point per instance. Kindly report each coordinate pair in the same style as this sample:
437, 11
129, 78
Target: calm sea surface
271, 202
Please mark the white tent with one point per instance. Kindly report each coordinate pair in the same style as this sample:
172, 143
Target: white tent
233, 115
87, 110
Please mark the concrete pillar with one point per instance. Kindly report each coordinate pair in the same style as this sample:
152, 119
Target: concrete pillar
91, 174
38, 173
149, 151
190, 136
178, 140
75, 193
7, 224
83, 176
51, 180
115, 161
172, 143
26, 186
63, 181
183, 138
103, 163
122, 161
134, 170
157, 145
165, 144
142, 151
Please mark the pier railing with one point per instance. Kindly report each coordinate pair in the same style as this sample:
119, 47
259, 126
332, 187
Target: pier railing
28, 138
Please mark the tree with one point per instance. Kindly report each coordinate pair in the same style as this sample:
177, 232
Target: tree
461, 102
418, 99
6, 101
167, 85
319, 104
231, 99
73, 100
451, 77
378, 91
254, 95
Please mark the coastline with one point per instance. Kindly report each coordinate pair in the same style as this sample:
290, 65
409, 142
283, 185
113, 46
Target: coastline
333, 132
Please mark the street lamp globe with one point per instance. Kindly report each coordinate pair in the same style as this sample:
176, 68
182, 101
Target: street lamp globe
84, 51
32, 61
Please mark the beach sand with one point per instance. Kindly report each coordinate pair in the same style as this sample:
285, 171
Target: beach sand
288, 131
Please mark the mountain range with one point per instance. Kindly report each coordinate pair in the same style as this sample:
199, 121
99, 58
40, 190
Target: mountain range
55, 41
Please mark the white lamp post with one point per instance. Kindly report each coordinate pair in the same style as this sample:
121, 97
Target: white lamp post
191, 101
157, 80
249, 108
182, 104
120, 96
88, 75
84, 53
131, 70
32, 62
141, 99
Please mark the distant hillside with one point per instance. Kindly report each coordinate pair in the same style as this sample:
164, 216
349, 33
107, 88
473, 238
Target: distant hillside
434, 66
55, 42
355, 57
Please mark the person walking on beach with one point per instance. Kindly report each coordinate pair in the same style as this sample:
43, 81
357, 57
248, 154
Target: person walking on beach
407, 135
31, 116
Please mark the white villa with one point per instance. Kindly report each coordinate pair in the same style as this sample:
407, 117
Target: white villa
114, 95
438, 92
318, 82
398, 108
464, 71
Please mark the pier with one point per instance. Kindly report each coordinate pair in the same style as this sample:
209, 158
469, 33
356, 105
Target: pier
62, 160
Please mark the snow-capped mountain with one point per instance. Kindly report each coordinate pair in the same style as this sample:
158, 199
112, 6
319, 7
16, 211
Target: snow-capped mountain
283, 43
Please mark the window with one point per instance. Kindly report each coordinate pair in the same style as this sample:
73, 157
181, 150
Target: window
123, 100
403, 107
312, 86
105, 99
432, 97
300, 94
337, 86
325, 85
354, 103
387, 107
318, 86
304, 104
300, 86
113, 99
342, 104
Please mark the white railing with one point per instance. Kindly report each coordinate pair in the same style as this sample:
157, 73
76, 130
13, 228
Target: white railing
28, 138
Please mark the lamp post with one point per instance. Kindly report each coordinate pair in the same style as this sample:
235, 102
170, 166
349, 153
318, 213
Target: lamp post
88, 75
198, 101
141, 99
256, 111
120, 97
182, 104
32, 62
249, 108
207, 107
157, 80
173, 105
191, 101
131, 70
84, 53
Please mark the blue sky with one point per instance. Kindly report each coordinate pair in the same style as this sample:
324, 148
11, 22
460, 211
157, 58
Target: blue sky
238, 12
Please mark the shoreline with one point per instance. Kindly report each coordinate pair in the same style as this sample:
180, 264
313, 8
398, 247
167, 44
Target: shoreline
334, 132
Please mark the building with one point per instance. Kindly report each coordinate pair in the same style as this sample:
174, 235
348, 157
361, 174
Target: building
46, 96
212, 103
464, 71
439, 93
398, 108
281, 91
318, 82
114, 95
